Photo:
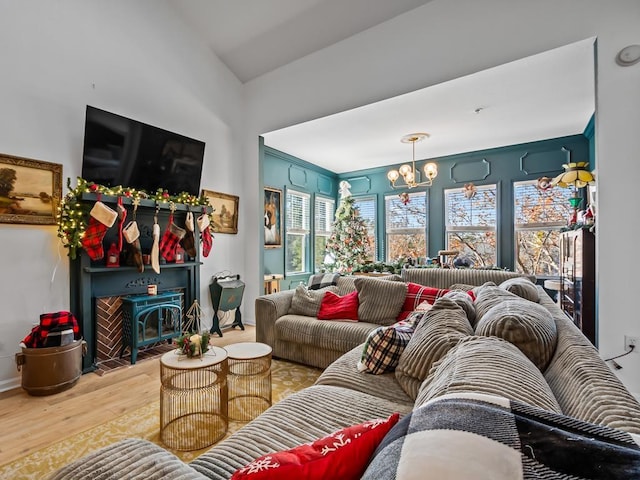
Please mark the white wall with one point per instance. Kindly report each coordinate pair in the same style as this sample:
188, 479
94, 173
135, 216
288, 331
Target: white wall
445, 39
133, 58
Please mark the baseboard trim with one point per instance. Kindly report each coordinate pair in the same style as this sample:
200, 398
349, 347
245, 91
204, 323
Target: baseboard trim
10, 384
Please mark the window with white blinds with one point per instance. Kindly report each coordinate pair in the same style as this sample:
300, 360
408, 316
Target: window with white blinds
406, 226
324, 209
539, 216
471, 224
367, 207
297, 231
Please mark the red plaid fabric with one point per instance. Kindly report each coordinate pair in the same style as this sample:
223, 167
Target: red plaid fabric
207, 242
170, 240
48, 322
92, 239
416, 294
384, 346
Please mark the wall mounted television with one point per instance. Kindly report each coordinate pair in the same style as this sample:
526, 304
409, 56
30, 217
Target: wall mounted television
123, 151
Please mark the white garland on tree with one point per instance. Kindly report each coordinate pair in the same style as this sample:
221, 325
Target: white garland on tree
347, 245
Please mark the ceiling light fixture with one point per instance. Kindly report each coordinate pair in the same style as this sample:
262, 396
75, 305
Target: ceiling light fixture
408, 172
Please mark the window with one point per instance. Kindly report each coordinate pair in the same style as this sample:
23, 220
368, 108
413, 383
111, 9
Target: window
324, 211
471, 224
406, 226
297, 232
367, 208
539, 215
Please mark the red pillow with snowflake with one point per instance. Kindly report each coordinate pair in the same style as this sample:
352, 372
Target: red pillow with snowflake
416, 294
344, 454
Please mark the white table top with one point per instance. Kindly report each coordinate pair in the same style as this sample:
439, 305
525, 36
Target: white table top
211, 357
247, 350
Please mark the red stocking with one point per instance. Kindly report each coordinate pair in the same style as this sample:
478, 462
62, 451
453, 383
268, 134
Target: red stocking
205, 234
170, 240
100, 220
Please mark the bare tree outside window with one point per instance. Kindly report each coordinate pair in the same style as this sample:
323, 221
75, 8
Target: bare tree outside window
406, 226
471, 224
540, 213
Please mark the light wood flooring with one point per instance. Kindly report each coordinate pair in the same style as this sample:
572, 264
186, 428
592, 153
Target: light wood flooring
29, 423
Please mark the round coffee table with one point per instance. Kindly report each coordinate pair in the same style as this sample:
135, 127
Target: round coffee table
193, 399
249, 379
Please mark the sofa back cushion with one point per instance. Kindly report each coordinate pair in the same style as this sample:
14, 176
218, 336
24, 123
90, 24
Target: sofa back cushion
439, 331
380, 300
489, 295
307, 302
523, 287
488, 365
527, 325
445, 277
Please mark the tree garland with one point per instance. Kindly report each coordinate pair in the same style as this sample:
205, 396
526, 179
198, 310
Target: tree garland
72, 214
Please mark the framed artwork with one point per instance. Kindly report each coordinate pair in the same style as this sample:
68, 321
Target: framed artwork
30, 190
272, 217
225, 211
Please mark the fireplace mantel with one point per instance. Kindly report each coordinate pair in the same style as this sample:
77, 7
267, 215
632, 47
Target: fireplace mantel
91, 280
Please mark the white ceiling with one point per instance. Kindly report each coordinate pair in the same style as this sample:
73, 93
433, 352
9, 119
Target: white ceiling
548, 95
253, 37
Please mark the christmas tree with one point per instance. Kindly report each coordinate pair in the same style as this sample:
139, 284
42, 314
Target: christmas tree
347, 245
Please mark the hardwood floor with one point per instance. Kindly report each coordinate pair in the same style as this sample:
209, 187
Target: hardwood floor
30, 423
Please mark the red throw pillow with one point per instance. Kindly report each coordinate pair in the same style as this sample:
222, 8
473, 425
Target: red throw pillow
335, 307
343, 454
416, 294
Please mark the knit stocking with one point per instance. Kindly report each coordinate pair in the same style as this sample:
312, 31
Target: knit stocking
155, 257
101, 218
188, 242
131, 234
205, 234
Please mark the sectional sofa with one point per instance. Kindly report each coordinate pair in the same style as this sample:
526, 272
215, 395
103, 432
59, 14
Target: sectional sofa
499, 386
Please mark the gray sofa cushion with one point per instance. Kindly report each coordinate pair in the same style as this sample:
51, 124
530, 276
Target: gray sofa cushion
529, 326
439, 331
464, 301
300, 332
380, 299
523, 287
489, 295
488, 365
307, 302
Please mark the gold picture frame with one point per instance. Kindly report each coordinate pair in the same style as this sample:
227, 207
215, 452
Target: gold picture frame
272, 217
224, 218
30, 190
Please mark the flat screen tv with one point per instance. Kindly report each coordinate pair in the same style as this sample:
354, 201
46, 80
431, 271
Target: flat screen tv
122, 151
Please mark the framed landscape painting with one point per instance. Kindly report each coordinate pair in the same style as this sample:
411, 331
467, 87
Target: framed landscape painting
225, 211
272, 217
30, 190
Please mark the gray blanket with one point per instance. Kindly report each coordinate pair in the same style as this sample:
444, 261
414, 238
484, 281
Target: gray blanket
485, 437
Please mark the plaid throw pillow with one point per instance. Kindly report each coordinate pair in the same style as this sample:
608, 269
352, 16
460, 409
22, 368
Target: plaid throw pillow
416, 294
384, 346
321, 280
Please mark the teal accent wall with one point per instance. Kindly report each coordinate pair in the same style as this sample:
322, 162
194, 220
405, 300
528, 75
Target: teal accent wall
284, 171
590, 134
502, 166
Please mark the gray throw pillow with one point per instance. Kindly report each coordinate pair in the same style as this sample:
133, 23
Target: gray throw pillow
488, 365
380, 300
307, 302
527, 325
523, 287
489, 295
464, 301
439, 331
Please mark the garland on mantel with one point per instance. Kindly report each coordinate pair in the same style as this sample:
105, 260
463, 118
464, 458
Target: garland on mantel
71, 218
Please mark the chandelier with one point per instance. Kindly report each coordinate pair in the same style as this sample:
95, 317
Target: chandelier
577, 176
408, 172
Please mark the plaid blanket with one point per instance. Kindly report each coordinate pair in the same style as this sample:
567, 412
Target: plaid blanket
51, 322
321, 280
463, 436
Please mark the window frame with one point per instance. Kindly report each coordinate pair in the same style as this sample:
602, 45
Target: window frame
304, 233
494, 229
373, 235
423, 230
322, 233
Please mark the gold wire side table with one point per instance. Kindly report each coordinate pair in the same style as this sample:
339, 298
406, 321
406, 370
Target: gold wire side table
193, 399
249, 379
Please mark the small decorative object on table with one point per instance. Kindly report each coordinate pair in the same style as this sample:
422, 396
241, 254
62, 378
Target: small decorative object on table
193, 344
